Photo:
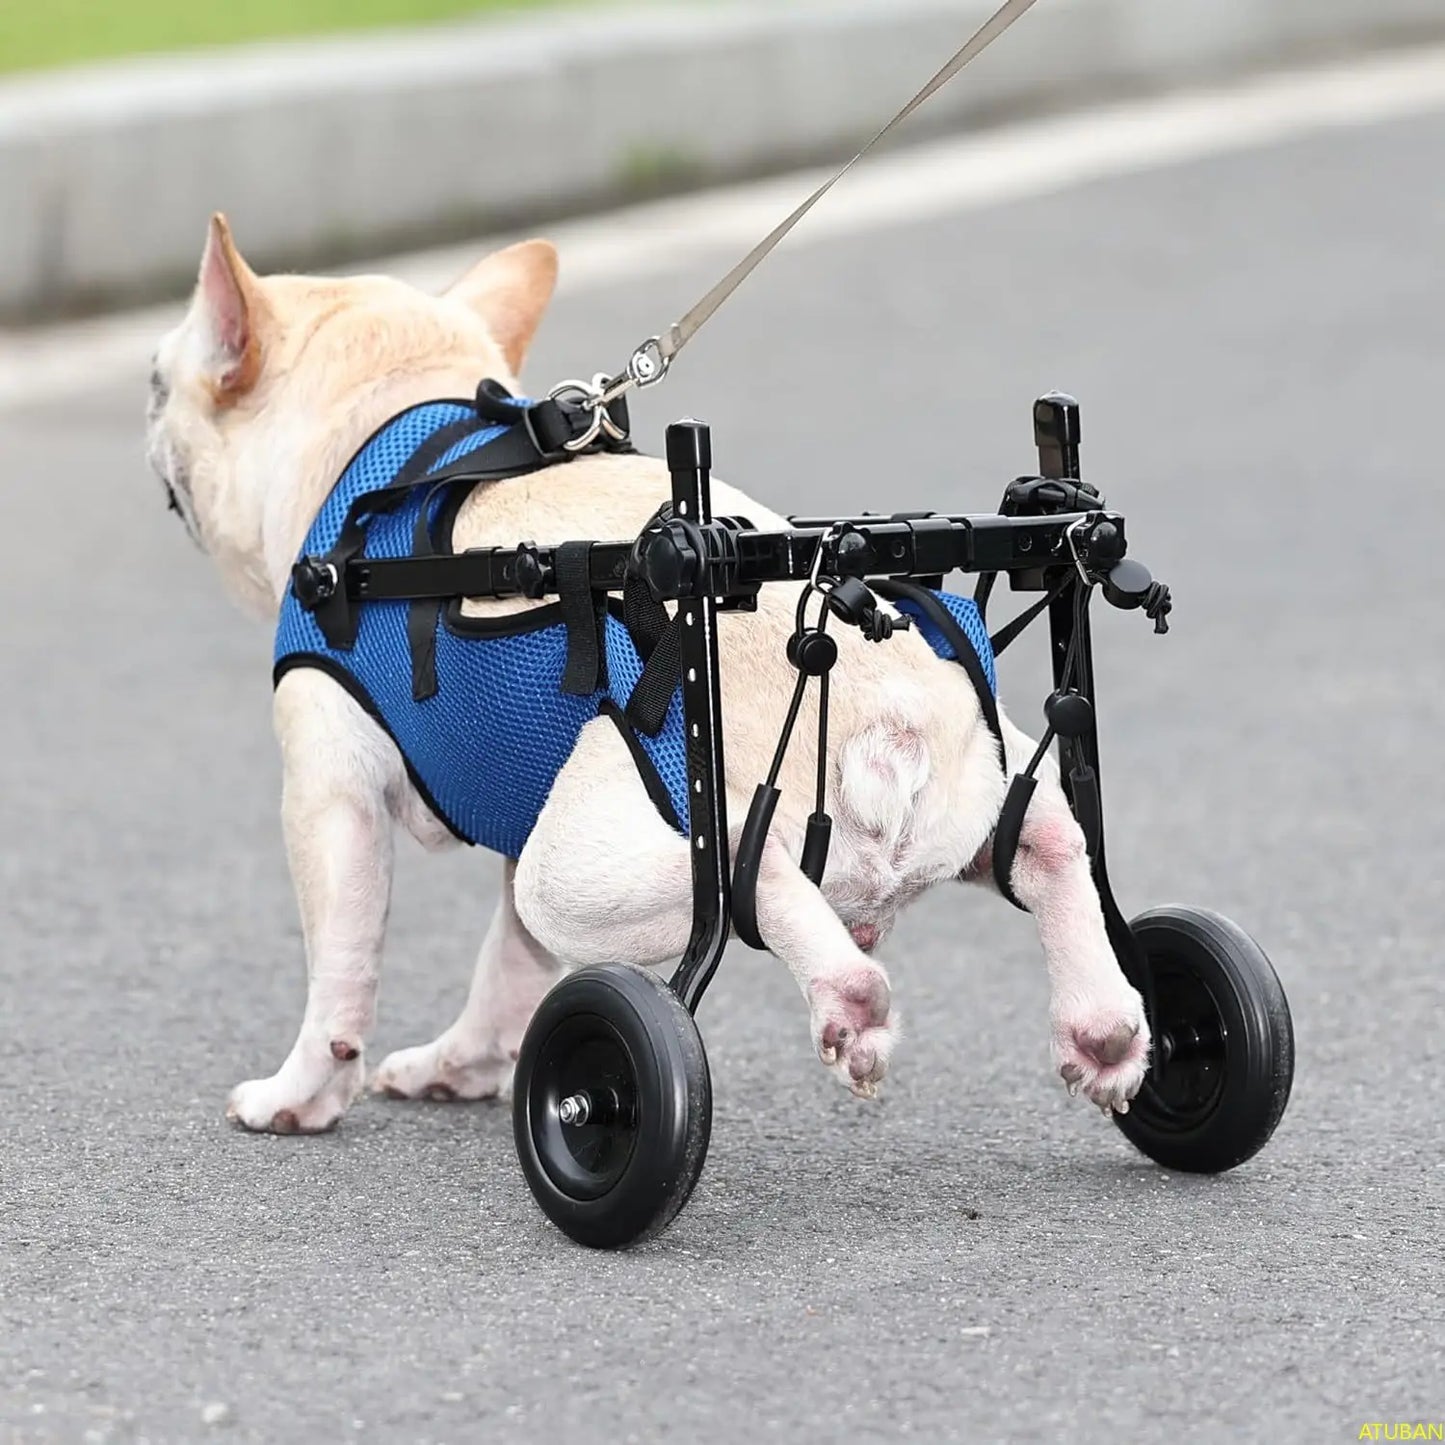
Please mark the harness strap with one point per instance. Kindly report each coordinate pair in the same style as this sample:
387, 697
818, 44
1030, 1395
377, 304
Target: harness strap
658, 641
424, 614
645, 617
335, 617
582, 611
651, 698
1010, 630
536, 437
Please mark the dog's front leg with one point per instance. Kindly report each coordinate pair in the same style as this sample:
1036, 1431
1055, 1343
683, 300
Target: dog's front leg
339, 770
1100, 1036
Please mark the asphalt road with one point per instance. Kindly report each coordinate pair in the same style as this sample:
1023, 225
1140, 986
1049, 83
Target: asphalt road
1257, 341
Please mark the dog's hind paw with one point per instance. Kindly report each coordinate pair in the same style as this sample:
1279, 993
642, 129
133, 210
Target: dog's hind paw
429, 1071
854, 1027
278, 1106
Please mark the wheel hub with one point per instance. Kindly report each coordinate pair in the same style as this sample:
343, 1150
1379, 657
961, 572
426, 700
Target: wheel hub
585, 1116
1190, 1046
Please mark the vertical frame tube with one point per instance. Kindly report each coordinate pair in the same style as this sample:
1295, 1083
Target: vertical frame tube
689, 460
1056, 434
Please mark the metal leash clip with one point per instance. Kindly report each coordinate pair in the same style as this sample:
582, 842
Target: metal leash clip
594, 396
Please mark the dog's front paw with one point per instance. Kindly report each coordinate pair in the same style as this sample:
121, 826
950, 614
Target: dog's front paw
1103, 1050
433, 1071
289, 1102
854, 1027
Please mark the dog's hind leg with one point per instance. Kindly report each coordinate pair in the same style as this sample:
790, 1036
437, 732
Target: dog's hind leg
1100, 1037
341, 774
473, 1058
605, 879
849, 999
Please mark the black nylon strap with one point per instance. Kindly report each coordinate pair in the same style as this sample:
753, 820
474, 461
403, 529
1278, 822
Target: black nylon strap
1010, 630
582, 611
644, 616
413, 470
981, 592
661, 674
423, 616
336, 617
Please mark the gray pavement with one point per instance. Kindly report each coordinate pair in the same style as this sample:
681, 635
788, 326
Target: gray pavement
1257, 341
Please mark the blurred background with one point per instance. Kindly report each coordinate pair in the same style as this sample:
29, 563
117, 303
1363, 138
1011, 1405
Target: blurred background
1220, 223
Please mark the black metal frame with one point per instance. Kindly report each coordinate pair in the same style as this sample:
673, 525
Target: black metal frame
1054, 536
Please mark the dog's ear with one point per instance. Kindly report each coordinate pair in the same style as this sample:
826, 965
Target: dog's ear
509, 290
230, 307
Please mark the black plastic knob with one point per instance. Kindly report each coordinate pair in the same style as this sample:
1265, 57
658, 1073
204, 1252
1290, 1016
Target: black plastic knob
1128, 584
313, 579
812, 652
667, 562
1105, 544
1069, 714
532, 577
852, 554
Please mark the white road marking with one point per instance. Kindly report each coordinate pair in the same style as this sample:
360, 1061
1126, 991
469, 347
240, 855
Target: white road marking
1032, 158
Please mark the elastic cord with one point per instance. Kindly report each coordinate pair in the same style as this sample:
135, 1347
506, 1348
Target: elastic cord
786, 735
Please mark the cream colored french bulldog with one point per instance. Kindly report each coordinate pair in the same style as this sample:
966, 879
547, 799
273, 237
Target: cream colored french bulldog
258, 399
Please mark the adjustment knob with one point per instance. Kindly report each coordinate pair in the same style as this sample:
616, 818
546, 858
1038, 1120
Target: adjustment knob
667, 562
1069, 714
313, 579
1105, 543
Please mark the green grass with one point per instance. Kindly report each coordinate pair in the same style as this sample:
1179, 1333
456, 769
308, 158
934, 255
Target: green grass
38, 33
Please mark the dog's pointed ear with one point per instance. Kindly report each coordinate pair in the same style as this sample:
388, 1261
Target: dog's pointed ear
231, 309
510, 290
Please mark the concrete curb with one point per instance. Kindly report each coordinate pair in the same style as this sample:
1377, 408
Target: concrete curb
324, 151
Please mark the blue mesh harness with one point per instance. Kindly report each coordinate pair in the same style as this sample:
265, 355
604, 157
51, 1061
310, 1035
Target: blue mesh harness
488, 727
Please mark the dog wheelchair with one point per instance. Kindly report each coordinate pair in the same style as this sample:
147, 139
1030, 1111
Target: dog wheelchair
612, 1098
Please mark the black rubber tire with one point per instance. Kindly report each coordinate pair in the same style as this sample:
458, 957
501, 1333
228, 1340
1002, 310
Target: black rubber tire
1216, 1103
622, 1034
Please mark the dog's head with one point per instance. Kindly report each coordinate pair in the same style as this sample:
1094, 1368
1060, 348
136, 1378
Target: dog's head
266, 387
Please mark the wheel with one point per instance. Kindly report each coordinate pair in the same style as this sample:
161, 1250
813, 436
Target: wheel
612, 1105
1223, 1042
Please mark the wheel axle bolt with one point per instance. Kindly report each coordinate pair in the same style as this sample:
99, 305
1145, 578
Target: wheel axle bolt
575, 1109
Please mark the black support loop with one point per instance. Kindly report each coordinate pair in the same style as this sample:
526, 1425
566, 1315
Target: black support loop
749, 863
586, 669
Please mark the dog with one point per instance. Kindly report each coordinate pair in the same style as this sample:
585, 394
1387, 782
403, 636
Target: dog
258, 399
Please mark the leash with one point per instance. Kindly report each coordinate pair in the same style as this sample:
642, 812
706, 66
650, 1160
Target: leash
650, 362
